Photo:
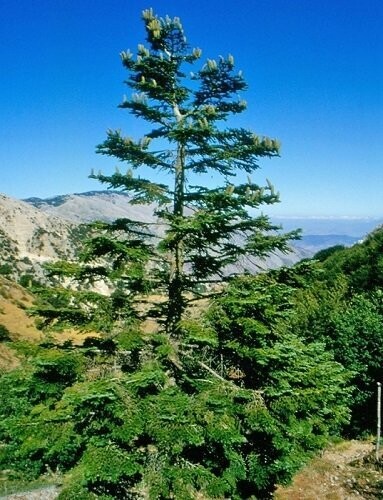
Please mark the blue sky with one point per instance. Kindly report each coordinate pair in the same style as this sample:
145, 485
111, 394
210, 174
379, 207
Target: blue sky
315, 75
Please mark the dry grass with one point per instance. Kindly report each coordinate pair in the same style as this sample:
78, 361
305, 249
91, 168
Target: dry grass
77, 337
13, 301
8, 359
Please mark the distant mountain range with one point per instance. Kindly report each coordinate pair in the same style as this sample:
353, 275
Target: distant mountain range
318, 232
35, 230
324, 232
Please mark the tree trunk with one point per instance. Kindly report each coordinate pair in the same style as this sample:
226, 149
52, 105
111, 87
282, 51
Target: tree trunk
176, 303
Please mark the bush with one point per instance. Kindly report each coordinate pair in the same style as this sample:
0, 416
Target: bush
6, 269
4, 333
28, 281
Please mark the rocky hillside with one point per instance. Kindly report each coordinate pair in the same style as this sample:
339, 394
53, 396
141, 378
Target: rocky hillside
29, 237
109, 205
93, 205
38, 230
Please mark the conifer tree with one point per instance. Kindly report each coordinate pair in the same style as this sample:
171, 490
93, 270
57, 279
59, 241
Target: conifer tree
207, 227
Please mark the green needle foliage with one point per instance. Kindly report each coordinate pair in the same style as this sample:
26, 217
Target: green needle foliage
188, 141
231, 411
343, 307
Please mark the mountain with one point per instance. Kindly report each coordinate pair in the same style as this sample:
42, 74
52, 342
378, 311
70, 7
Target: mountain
357, 227
109, 205
315, 242
93, 205
35, 230
318, 232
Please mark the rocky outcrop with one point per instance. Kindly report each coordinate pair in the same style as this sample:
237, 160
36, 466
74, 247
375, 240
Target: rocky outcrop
29, 237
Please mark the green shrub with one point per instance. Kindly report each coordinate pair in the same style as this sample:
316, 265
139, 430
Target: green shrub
28, 281
4, 333
6, 269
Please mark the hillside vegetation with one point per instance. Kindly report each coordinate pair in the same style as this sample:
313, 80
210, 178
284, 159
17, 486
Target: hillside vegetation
308, 339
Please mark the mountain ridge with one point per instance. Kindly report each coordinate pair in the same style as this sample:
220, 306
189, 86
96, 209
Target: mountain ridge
355, 226
37, 230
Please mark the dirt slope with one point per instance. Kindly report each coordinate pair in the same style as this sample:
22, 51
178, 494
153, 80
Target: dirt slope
344, 472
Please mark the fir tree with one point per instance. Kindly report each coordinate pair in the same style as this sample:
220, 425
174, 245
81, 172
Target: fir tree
207, 228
